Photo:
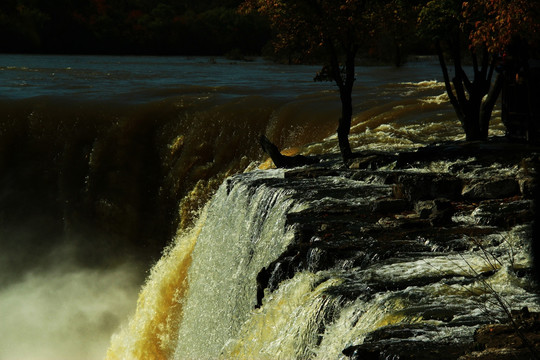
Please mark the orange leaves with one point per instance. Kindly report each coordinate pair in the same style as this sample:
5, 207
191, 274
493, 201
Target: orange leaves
496, 22
298, 24
303, 25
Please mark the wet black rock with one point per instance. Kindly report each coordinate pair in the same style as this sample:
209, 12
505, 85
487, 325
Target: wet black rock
503, 213
424, 186
527, 186
519, 339
482, 189
282, 161
438, 211
362, 218
496, 150
389, 205
405, 349
371, 160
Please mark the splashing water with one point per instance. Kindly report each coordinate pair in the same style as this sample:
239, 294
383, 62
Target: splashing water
125, 160
211, 309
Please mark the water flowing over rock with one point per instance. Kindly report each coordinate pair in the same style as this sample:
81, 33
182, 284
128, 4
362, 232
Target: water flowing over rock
247, 230
107, 164
388, 261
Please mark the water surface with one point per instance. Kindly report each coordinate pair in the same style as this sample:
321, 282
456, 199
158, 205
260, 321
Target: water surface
103, 158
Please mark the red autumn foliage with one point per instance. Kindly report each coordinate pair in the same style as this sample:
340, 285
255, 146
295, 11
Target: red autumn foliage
496, 23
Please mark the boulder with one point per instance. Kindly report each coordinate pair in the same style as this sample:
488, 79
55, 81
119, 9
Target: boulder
389, 205
438, 211
519, 339
425, 186
527, 187
491, 189
503, 214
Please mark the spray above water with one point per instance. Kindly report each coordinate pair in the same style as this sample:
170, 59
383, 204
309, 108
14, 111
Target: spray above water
139, 165
188, 309
65, 313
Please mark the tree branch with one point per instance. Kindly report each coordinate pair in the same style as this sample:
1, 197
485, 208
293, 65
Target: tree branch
449, 91
491, 70
475, 62
485, 62
334, 63
465, 80
488, 105
460, 78
283, 161
458, 86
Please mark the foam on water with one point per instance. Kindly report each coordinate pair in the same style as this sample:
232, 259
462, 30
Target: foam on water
131, 147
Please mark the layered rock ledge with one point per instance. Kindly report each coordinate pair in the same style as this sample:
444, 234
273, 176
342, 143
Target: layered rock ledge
453, 200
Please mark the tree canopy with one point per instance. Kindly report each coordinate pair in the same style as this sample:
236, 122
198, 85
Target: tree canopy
339, 29
211, 27
187, 27
497, 23
334, 29
487, 29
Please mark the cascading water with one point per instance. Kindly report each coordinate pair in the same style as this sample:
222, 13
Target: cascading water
241, 231
421, 297
289, 323
245, 232
112, 171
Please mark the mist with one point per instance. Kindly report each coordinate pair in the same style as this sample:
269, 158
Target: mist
64, 311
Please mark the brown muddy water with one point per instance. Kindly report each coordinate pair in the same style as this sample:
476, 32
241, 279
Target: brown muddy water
107, 161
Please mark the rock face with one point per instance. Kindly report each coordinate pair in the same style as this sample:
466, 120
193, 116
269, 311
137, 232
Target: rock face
504, 341
491, 189
418, 208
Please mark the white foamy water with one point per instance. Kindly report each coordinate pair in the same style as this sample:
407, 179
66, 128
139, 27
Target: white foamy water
120, 145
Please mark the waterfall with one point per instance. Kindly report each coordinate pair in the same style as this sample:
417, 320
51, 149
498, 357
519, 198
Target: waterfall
289, 323
359, 277
311, 316
192, 313
245, 231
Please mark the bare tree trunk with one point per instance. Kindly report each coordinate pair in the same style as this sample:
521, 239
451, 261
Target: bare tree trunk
345, 84
449, 91
467, 97
489, 104
344, 126
283, 161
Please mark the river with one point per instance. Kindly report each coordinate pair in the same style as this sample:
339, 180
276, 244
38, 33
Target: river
104, 159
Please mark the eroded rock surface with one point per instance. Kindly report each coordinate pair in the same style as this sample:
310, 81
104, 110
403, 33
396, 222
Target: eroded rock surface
388, 210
